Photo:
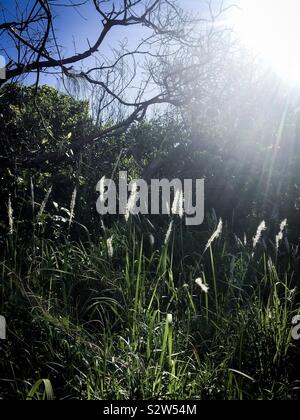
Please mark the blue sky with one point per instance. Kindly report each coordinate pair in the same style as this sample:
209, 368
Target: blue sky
76, 28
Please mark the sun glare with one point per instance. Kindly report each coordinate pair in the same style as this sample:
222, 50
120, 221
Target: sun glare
271, 29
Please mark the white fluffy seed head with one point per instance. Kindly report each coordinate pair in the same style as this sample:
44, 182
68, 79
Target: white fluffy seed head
72, 207
202, 285
279, 236
261, 228
177, 207
10, 217
168, 234
151, 239
131, 201
283, 225
215, 235
44, 203
110, 248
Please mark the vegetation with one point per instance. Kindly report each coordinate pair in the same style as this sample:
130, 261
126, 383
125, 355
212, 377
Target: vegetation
119, 317
148, 308
100, 307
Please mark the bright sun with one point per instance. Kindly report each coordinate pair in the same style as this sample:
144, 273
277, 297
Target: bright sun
272, 29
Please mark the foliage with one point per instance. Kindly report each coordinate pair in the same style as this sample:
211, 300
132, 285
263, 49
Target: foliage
133, 323
99, 308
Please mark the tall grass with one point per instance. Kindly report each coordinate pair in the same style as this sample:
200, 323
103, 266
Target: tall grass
123, 316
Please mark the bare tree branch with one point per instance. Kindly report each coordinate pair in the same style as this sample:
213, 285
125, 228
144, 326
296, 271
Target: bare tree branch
115, 81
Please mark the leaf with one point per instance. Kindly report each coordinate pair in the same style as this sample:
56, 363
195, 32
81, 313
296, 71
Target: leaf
48, 393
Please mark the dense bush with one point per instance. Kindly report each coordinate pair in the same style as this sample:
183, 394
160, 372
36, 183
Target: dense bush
101, 308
